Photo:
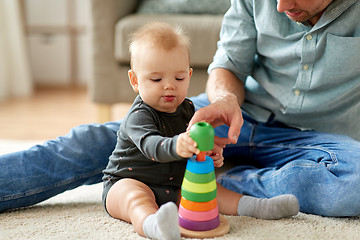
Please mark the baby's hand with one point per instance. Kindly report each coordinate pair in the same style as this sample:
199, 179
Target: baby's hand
186, 146
216, 155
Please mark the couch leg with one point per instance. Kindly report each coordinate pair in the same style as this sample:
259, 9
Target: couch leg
104, 112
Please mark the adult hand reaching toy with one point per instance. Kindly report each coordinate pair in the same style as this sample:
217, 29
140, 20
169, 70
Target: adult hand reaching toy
225, 107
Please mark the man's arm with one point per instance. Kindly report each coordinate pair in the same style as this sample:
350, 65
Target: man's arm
226, 93
233, 60
223, 84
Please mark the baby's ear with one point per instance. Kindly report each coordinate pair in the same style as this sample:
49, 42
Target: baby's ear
133, 80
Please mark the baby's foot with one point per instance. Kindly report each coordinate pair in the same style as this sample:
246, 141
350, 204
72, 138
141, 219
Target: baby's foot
164, 224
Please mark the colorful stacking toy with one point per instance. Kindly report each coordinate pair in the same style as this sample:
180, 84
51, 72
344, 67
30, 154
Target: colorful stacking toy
198, 210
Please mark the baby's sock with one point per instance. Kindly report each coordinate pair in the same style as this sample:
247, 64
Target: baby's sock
164, 224
274, 208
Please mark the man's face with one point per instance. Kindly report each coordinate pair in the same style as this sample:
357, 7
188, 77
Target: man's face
303, 10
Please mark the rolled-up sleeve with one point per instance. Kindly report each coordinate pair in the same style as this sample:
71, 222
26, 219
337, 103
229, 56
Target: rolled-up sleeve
237, 44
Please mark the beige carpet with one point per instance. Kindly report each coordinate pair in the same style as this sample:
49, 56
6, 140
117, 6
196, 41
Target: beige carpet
78, 214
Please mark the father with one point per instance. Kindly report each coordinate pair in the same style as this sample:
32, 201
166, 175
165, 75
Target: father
295, 73
287, 74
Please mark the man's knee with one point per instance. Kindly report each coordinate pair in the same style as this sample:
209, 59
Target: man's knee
342, 202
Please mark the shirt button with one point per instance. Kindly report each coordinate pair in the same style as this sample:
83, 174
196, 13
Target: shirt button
297, 92
309, 37
306, 67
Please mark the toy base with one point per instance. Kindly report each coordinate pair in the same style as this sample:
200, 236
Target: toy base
222, 229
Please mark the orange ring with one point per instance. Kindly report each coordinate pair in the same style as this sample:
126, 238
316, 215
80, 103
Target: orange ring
198, 206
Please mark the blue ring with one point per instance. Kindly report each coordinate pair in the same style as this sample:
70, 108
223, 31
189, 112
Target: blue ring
198, 167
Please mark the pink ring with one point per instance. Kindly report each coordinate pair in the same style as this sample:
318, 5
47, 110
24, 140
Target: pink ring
198, 216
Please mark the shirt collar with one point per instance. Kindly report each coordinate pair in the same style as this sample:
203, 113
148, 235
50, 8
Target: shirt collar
334, 10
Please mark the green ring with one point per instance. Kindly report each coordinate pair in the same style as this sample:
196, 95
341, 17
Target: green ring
198, 197
199, 178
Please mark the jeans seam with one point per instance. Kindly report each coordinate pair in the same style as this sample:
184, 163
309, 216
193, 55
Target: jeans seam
330, 153
257, 176
49, 187
254, 145
286, 167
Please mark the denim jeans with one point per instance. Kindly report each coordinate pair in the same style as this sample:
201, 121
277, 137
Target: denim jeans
321, 170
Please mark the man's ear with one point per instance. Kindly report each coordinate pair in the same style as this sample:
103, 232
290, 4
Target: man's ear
133, 80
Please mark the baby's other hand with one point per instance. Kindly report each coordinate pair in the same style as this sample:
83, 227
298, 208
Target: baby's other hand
217, 155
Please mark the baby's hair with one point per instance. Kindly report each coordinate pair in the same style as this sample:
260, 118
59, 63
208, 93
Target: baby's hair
158, 34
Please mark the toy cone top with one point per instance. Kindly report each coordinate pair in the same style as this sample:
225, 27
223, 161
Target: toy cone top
203, 134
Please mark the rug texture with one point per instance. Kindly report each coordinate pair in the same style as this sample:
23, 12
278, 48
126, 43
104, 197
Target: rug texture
79, 214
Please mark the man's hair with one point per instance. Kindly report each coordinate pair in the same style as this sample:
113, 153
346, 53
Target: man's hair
160, 35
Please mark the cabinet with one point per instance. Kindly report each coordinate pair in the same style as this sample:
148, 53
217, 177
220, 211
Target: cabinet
59, 41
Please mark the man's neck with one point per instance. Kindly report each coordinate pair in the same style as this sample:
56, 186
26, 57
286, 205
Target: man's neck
316, 18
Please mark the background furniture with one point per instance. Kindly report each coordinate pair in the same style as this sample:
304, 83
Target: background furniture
112, 23
58, 38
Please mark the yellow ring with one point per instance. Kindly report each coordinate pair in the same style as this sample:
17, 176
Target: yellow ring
199, 187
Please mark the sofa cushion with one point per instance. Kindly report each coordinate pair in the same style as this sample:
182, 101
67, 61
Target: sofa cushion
183, 6
203, 31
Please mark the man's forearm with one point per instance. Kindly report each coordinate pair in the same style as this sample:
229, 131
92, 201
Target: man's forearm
224, 84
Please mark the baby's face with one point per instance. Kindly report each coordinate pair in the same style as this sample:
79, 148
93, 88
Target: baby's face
162, 76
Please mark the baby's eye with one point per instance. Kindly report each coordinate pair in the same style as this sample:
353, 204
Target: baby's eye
179, 78
155, 79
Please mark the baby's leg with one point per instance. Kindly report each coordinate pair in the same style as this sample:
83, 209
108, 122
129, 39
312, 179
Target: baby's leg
133, 201
233, 203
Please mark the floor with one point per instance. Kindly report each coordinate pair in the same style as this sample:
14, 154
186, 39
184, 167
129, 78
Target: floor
49, 113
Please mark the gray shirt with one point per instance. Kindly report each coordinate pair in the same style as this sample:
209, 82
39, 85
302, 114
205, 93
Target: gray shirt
307, 76
146, 145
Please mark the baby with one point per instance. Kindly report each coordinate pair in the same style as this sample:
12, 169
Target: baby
146, 169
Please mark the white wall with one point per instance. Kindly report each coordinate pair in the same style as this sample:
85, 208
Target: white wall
59, 41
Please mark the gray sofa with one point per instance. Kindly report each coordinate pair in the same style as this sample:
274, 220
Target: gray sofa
112, 23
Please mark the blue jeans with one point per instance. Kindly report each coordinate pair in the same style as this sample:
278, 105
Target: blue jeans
321, 170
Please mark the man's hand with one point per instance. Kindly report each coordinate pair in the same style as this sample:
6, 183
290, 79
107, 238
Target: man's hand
224, 110
226, 93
